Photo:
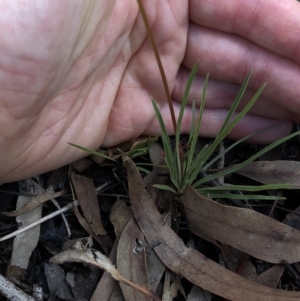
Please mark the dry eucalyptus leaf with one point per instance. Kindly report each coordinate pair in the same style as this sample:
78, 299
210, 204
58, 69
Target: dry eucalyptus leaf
172, 285
108, 289
198, 294
131, 262
292, 219
156, 153
34, 202
187, 262
25, 242
243, 229
271, 276
87, 198
119, 216
273, 172
233, 258
155, 268
82, 164
80, 253
55, 276
103, 240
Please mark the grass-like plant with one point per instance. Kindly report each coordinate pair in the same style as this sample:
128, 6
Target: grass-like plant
185, 171
184, 167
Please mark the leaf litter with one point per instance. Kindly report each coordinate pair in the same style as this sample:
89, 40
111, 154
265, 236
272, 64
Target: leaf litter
273, 172
151, 225
187, 259
243, 229
24, 243
187, 262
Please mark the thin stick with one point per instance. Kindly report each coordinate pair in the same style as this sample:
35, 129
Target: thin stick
47, 217
12, 292
159, 63
41, 190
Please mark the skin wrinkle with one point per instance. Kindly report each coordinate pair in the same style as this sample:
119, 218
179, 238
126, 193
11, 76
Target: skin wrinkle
221, 95
104, 80
239, 16
208, 128
283, 14
273, 75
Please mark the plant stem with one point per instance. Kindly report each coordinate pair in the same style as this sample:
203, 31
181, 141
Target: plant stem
159, 63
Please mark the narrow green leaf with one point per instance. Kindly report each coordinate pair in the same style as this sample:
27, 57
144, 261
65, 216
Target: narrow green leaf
180, 117
247, 188
243, 197
169, 158
92, 152
165, 187
169, 155
151, 165
197, 164
193, 127
193, 165
141, 169
217, 157
222, 134
240, 165
236, 101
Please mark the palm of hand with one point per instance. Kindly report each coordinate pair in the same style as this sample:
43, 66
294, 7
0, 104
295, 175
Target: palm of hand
80, 77
83, 71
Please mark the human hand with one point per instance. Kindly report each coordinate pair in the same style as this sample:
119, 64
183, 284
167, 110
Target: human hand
82, 72
229, 38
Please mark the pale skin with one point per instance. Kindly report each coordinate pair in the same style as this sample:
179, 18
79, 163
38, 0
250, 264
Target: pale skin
83, 72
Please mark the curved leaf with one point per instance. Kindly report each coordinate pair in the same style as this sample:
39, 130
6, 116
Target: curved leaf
187, 262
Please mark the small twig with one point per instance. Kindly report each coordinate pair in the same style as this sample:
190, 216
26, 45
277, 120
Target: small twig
159, 63
41, 190
33, 289
47, 217
221, 161
12, 292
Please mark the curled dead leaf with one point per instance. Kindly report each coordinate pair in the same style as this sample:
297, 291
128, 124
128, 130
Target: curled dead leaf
273, 172
243, 229
81, 253
187, 262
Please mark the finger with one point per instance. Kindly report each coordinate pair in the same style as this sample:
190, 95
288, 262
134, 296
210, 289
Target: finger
212, 122
272, 24
221, 95
229, 58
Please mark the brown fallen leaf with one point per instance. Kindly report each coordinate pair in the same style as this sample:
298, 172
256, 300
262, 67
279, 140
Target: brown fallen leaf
198, 294
82, 164
131, 261
35, 202
108, 289
155, 268
233, 259
273, 172
24, 243
104, 240
120, 215
243, 229
80, 253
172, 285
87, 198
292, 219
271, 276
187, 262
